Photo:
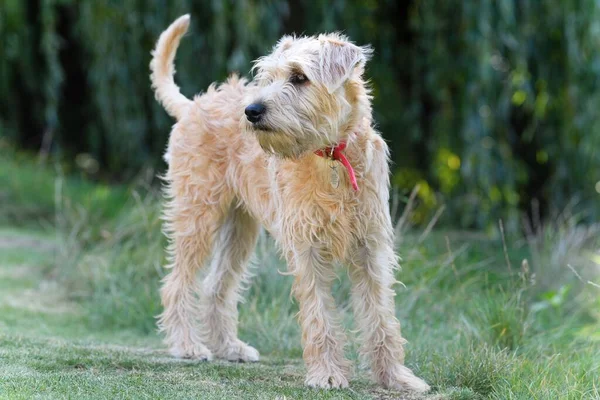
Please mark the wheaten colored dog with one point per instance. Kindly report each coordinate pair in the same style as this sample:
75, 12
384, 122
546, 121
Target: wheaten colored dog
280, 166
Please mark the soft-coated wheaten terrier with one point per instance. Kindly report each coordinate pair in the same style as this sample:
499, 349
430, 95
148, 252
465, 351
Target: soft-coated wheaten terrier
295, 152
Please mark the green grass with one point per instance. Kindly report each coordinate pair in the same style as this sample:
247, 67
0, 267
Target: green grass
32, 191
80, 265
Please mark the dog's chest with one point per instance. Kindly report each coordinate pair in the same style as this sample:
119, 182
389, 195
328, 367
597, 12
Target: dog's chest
315, 212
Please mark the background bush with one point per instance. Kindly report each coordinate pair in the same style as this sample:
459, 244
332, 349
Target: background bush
487, 105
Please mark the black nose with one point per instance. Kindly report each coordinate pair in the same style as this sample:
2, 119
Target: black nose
254, 112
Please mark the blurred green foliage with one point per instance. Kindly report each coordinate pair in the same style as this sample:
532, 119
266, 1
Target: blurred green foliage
486, 105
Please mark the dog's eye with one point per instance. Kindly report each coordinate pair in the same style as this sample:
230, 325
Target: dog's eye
298, 79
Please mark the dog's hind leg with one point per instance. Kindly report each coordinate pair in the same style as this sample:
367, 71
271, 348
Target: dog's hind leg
221, 287
192, 231
197, 206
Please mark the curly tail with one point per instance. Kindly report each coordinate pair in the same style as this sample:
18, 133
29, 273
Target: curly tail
166, 91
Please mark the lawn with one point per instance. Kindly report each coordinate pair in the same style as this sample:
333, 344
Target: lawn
80, 265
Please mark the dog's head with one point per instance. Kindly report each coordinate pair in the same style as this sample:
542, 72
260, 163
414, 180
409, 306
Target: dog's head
309, 91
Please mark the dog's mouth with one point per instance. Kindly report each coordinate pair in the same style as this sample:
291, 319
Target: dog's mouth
280, 144
258, 127
261, 127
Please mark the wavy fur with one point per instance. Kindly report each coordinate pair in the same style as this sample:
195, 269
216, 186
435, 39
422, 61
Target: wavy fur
227, 177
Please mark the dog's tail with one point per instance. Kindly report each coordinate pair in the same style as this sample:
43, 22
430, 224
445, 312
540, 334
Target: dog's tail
167, 92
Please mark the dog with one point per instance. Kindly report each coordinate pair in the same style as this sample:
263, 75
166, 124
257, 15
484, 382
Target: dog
293, 151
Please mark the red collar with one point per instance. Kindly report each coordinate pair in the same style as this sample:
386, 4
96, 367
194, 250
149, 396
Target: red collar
335, 153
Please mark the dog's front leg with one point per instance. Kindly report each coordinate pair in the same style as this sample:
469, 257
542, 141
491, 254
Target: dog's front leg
372, 275
322, 337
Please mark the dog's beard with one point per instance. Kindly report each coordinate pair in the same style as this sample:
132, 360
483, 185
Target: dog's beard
292, 140
281, 144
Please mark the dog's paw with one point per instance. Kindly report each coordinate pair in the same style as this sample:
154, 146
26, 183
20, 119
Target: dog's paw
239, 351
402, 378
327, 381
192, 352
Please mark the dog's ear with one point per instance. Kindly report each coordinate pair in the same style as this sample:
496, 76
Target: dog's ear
338, 59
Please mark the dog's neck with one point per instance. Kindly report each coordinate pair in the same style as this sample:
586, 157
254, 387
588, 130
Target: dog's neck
360, 123
336, 153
